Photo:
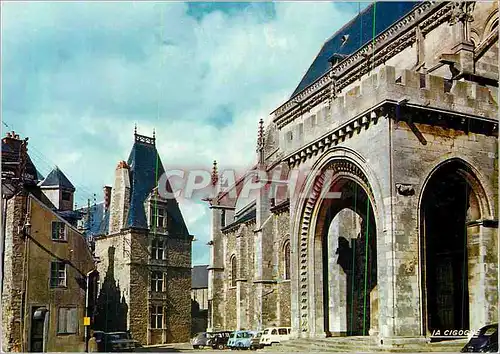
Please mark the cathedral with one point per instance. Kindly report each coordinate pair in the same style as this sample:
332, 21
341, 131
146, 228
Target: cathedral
143, 249
397, 114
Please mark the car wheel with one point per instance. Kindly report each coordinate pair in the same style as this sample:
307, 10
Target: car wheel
195, 347
201, 347
220, 346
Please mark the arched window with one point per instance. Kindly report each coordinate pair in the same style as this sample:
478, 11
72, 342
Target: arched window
233, 271
286, 257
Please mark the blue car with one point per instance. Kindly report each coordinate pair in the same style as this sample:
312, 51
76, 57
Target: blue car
240, 340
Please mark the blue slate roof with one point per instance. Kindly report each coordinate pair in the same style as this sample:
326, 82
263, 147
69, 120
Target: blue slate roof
146, 168
359, 31
57, 178
96, 224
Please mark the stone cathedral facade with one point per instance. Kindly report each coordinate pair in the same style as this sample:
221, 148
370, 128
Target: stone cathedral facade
402, 121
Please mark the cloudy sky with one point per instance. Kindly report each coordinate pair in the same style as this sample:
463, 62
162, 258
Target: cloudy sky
77, 76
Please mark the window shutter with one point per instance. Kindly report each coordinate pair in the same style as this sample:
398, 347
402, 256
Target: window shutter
54, 231
61, 326
72, 320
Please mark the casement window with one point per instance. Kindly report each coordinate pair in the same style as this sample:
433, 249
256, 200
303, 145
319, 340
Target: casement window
233, 271
158, 217
58, 231
156, 281
156, 316
57, 274
286, 258
157, 249
67, 320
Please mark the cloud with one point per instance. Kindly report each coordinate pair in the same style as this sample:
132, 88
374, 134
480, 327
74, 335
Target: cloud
78, 76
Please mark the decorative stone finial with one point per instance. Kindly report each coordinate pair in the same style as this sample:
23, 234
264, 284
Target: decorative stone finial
154, 133
215, 174
135, 129
260, 135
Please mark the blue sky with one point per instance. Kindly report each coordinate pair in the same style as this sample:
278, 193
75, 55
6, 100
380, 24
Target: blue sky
77, 76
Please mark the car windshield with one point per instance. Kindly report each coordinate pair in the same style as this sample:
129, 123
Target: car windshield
266, 331
232, 335
490, 331
117, 336
257, 335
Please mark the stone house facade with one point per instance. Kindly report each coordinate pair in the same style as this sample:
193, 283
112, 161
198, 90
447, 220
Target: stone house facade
144, 247
46, 266
402, 127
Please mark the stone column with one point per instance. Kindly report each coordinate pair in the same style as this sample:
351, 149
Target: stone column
483, 274
294, 274
403, 264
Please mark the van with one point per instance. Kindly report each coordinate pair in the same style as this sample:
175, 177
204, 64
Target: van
240, 339
274, 335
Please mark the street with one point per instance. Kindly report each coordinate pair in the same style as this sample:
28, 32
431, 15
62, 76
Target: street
178, 348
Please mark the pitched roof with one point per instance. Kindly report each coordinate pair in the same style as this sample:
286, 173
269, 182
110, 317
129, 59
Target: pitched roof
146, 169
57, 178
358, 32
98, 222
199, 277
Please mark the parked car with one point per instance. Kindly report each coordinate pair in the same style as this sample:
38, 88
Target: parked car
200, 340
274, 335
114, 341
483, 341
219, 340
255, 342
240, 340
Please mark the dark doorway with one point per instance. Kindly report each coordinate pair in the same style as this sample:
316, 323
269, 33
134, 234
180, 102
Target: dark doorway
37, 332
356, 255
445, 203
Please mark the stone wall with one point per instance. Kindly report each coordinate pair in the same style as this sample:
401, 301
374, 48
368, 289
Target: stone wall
12, 282
132, 268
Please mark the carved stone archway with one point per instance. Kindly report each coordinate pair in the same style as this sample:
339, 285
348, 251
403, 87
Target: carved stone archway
336, 171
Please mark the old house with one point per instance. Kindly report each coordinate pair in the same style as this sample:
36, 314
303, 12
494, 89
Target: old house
47, 264
398, 117
145, 251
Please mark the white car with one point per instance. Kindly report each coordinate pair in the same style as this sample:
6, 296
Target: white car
274, 335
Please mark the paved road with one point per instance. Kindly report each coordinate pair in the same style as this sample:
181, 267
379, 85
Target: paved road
179, 348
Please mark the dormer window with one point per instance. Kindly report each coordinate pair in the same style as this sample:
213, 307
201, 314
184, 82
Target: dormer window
158, 217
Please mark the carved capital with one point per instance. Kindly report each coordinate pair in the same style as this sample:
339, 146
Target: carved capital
405, 189
462, 12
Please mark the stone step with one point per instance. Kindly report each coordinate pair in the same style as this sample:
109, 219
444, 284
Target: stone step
366, 345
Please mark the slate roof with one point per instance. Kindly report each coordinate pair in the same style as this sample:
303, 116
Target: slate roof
99, 219
360, 32
199, 277
57, 178
146, 169
247, 216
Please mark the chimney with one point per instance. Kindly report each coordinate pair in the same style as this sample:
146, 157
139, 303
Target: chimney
120, 198
107, 197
